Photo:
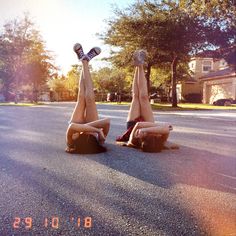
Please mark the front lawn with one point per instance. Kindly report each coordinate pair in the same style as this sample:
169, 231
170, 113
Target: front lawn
181, 106
21, 104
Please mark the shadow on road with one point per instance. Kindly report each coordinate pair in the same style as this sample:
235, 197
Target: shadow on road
115, 209
184, 166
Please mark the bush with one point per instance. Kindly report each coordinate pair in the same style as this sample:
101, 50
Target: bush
193, 98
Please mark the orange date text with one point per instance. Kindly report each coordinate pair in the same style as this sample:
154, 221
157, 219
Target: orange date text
53, 222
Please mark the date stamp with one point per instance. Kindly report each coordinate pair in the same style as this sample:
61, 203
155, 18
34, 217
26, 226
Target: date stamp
53, 222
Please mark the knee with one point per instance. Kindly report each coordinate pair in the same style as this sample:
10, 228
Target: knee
143, 98
135, 96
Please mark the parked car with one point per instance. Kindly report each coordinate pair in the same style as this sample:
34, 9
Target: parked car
119, 97
111, 97
159, 97
224, 102
154, 96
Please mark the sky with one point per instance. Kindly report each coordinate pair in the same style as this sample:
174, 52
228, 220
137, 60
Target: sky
62, 23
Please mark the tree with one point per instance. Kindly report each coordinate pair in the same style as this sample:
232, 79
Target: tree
168, 30
218, 14
57, 84
72, 79
23, 57
110, 80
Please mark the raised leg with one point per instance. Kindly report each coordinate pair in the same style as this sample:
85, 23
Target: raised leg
134, 111
145, 106
78, 115
91, 113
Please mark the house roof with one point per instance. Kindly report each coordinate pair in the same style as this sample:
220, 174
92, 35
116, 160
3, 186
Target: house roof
220, 73
190, 80
208, 54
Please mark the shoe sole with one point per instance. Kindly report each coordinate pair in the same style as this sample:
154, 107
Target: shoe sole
97, 50
77, 47
139, 57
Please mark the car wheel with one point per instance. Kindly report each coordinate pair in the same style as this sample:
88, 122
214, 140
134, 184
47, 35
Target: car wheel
227, 103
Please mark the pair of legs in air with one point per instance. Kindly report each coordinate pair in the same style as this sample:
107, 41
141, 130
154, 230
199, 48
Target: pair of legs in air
140, 109
84, 118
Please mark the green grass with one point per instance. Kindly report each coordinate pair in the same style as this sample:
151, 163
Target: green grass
20, 104
191, 106
206, 106
195, 106
181, 106
115, 103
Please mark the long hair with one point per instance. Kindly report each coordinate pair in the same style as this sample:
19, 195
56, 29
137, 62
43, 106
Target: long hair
152, 143
87, 144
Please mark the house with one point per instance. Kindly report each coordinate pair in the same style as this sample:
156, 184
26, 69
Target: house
219, 84
202, 67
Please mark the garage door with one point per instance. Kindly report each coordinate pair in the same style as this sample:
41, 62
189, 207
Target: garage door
218, 91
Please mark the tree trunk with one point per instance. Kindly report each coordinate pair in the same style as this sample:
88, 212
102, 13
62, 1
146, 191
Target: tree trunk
6, 91
173, 80
148, 73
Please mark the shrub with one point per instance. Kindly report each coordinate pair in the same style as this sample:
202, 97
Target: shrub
193, 97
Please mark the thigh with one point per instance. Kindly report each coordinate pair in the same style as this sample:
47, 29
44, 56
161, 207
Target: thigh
91, 113
134, 110
78, 115
145, 106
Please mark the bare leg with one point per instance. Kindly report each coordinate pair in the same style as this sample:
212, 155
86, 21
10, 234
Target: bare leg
145, 106
134, 111
79, 110
91, 113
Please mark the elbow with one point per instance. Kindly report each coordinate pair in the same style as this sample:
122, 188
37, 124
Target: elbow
107, 120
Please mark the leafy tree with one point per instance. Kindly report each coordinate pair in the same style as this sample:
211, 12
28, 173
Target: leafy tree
23, 57
110, 80
57, 84
72, 79
217, 14
169, 31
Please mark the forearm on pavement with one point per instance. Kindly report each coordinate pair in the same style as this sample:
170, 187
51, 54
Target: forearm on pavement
155, 130
84, 128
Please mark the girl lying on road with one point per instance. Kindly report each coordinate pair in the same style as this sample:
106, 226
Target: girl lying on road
142, 132
86, 133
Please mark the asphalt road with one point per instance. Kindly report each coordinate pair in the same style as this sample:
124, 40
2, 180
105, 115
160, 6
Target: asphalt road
45, 191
